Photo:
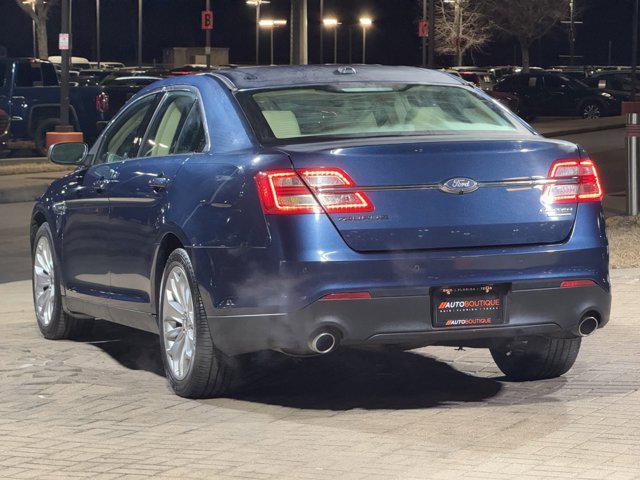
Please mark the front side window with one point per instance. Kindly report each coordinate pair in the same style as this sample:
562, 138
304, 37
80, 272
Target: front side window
122, 140
370, 110
164, 137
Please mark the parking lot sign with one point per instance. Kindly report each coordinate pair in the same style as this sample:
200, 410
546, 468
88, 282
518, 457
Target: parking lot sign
207, 20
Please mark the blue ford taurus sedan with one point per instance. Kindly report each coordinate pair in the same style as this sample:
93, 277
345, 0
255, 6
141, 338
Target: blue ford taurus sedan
301, 209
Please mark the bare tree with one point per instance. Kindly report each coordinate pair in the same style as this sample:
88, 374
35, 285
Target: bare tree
460, 27
526, 20
38, 11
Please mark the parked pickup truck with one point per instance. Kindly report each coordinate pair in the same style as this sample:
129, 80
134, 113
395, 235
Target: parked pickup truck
30, 104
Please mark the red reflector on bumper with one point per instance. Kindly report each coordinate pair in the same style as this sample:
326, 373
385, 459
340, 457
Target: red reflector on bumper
348, 296
577, 283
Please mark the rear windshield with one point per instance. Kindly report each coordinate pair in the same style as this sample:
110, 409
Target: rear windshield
371, 110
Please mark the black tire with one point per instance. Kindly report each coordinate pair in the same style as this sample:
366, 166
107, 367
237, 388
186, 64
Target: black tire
61, 324
591, 109
537, 358
40, 134
210, 371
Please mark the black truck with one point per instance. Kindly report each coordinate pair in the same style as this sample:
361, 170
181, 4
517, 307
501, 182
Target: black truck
30, 105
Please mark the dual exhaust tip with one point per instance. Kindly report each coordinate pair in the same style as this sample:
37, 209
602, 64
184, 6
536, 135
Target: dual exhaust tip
323, 343
587, 326
326, 342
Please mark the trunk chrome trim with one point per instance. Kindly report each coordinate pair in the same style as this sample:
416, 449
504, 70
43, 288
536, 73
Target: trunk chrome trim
515, 182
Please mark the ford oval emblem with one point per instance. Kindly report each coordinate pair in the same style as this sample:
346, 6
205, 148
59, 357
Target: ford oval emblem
459, 186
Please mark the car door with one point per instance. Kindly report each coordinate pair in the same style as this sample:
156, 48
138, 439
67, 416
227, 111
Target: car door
558, 95
85, 214
139, 202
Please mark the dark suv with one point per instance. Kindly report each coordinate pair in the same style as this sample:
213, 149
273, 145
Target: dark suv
545, 93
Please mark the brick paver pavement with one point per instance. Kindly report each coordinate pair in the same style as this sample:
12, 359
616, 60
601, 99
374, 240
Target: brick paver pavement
101, 409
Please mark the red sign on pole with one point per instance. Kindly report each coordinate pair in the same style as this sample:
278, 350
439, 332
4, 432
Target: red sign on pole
207, 20
423, 28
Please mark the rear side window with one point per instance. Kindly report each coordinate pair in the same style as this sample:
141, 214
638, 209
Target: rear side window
367, 110
165, 136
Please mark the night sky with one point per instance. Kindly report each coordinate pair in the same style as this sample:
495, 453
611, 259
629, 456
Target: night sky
393, 40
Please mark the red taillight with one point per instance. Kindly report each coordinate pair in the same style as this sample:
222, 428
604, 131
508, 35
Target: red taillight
582, 182
348, 296
290, 192
102, 102
577, 283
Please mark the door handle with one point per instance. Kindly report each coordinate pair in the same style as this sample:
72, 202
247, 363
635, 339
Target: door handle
159, 183
101, 184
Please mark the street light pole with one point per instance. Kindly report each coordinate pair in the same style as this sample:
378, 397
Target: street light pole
139, 33
365, 22
333, 23
207, 37
634, 52
33, 33
64, 76
98, 57
321, 32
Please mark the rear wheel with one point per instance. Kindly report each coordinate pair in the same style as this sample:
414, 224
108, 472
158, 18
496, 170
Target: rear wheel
591, 109
54, 323
193, 365
537, 358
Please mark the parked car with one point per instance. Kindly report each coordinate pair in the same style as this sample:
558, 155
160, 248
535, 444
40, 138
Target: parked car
544, 93
483, 79
76, 63
120, 88
617, 83
302, 209
107, 65
30, 95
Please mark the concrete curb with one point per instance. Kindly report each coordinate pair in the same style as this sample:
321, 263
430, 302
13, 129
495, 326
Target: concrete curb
578, 131
26, 193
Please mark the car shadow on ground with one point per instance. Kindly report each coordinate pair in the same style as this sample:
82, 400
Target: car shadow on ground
344, 380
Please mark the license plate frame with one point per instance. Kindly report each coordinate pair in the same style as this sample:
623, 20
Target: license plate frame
469, 306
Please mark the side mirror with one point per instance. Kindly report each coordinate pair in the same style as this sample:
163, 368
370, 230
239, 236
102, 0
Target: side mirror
67, 153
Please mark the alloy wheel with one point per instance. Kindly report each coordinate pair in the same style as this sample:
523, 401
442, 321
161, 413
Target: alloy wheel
591, 111
178, 322
44, 287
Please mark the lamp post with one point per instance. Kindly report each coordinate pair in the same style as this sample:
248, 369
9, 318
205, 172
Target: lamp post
257, 4
365, 23
98, 32
271, 25
321, 33
139, 33
333, 23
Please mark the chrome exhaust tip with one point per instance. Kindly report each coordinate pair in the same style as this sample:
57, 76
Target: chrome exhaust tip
587, 326
323, 343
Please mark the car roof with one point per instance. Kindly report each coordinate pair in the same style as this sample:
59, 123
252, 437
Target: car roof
299, 75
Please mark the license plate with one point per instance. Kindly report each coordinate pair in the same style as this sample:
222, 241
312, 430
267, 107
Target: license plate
469, 306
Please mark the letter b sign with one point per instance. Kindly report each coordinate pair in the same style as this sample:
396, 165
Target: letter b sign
207, 20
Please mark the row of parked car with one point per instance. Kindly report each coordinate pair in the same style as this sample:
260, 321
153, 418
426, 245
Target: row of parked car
588, 92
29, 93
30, 97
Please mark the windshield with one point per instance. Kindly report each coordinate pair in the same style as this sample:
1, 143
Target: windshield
357, 111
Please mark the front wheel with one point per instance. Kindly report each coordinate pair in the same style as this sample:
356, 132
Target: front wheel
536, 358
193, 365
54, 323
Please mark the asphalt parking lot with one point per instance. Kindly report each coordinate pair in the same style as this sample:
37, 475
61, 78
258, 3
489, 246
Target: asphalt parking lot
100, 407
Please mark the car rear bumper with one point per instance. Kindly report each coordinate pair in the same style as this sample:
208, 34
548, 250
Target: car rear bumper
270, 297
405, 319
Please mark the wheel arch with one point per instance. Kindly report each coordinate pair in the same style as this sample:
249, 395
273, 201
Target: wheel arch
38, 217
168, 242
